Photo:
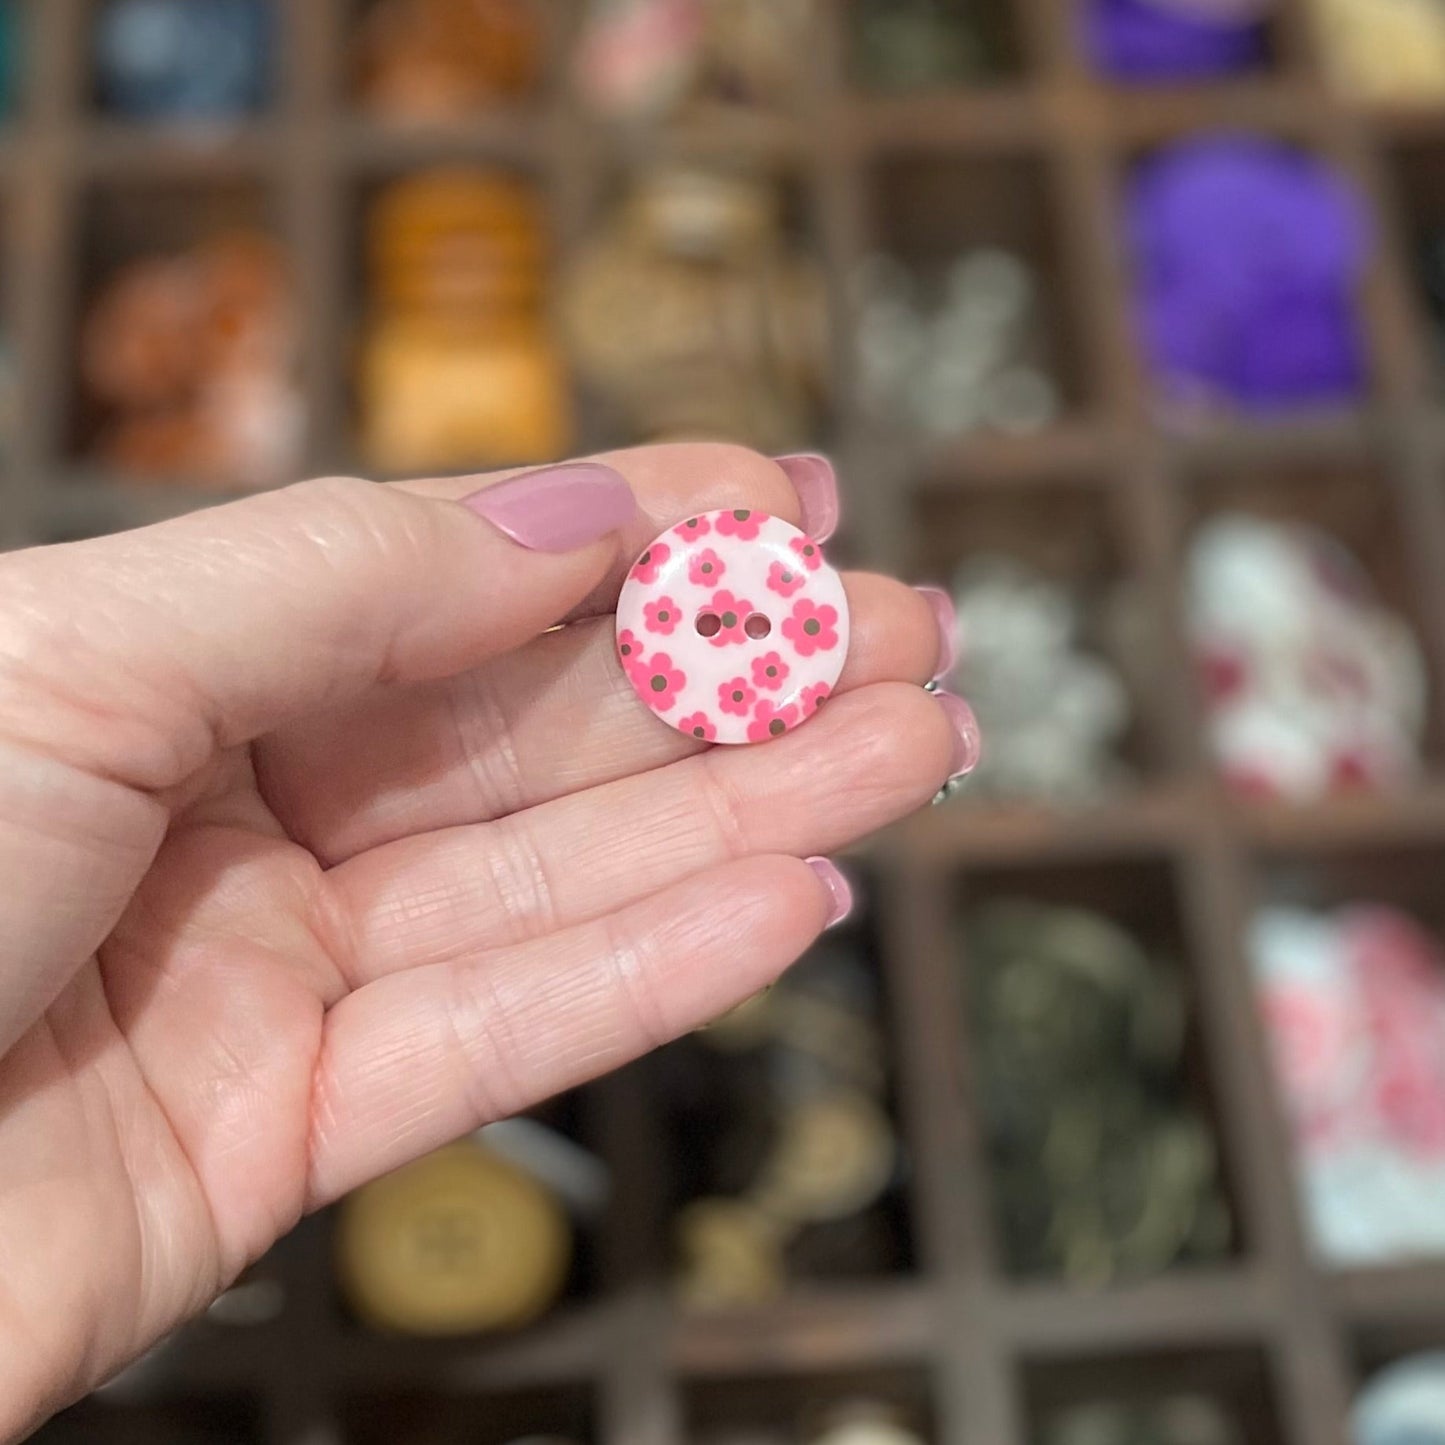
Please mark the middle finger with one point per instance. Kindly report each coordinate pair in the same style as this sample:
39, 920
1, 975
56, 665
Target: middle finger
556, 717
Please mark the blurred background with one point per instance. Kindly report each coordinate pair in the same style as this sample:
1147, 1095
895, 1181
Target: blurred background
1117, 1114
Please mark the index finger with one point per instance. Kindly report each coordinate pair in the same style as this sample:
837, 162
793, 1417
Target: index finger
673, 481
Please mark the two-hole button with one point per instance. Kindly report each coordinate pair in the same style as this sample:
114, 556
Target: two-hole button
708, 624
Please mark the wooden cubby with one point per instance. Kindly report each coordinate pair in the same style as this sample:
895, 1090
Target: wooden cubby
1037, 158
1236, 1381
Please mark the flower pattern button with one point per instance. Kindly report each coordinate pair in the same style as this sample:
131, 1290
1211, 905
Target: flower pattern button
732, 627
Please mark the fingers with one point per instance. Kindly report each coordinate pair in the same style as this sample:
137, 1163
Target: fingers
552, 718
868, 758
417, 1059
215, 627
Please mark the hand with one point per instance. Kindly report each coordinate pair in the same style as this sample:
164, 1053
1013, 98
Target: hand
318, 850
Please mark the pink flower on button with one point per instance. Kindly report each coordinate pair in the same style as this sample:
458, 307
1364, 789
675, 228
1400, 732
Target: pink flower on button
662, 681
770, 672
706, 568
784, 580
742, 524
810, 554
745, 662
730, 614
628, 647
770, 722
736, 697
698, 725
661, 616
814, 697
651, 562
812, 628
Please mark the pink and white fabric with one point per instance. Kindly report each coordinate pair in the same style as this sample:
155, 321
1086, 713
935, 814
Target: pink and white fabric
732, 627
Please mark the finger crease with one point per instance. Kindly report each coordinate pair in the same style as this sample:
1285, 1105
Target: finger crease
331, 924
522, 882
723, 805
631, 973
487, 744
486, 1041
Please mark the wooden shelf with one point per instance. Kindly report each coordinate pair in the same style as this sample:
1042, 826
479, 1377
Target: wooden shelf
116, 154
377, 147
1390, 1296
961, 834
1080, 451
823, 1330
1181, 1311
1051, 146
1328, 437
1002, 120
1412, 817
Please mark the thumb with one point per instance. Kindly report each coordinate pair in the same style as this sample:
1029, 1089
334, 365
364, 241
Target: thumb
136, 656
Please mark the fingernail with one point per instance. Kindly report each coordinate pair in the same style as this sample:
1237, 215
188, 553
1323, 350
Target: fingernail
557, 509
816, 484
838, 889
967, 744
947, 618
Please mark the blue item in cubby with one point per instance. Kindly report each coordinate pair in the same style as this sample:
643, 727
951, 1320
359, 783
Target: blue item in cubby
184, 59
9, 55
1249, 255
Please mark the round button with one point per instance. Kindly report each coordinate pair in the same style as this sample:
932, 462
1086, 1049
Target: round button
732, 627
458, 1242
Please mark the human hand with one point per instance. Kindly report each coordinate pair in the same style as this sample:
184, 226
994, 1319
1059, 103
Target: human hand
319, 850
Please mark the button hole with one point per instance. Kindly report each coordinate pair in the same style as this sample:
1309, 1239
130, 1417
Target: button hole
709, 624
757, 626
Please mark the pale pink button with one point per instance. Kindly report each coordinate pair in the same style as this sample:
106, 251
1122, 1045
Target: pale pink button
732, 627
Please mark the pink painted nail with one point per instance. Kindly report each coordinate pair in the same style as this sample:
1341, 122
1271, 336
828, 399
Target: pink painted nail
947, 618
967, 743
557, 509
838, 889
816, 484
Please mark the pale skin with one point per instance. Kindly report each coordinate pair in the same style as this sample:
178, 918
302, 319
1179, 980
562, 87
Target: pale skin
318, 850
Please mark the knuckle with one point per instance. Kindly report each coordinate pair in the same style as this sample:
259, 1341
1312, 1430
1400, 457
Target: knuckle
719, 801
486, 1043
343, 512
517, 875
720, 474
639, 999
740, 474
356, 502
485, 730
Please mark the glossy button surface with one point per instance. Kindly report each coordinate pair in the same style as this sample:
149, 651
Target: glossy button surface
732, 627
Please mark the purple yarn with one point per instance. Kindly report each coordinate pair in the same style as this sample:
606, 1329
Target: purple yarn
1298, 351
1135, 40
1280, 353
1248, 255
1238, 213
